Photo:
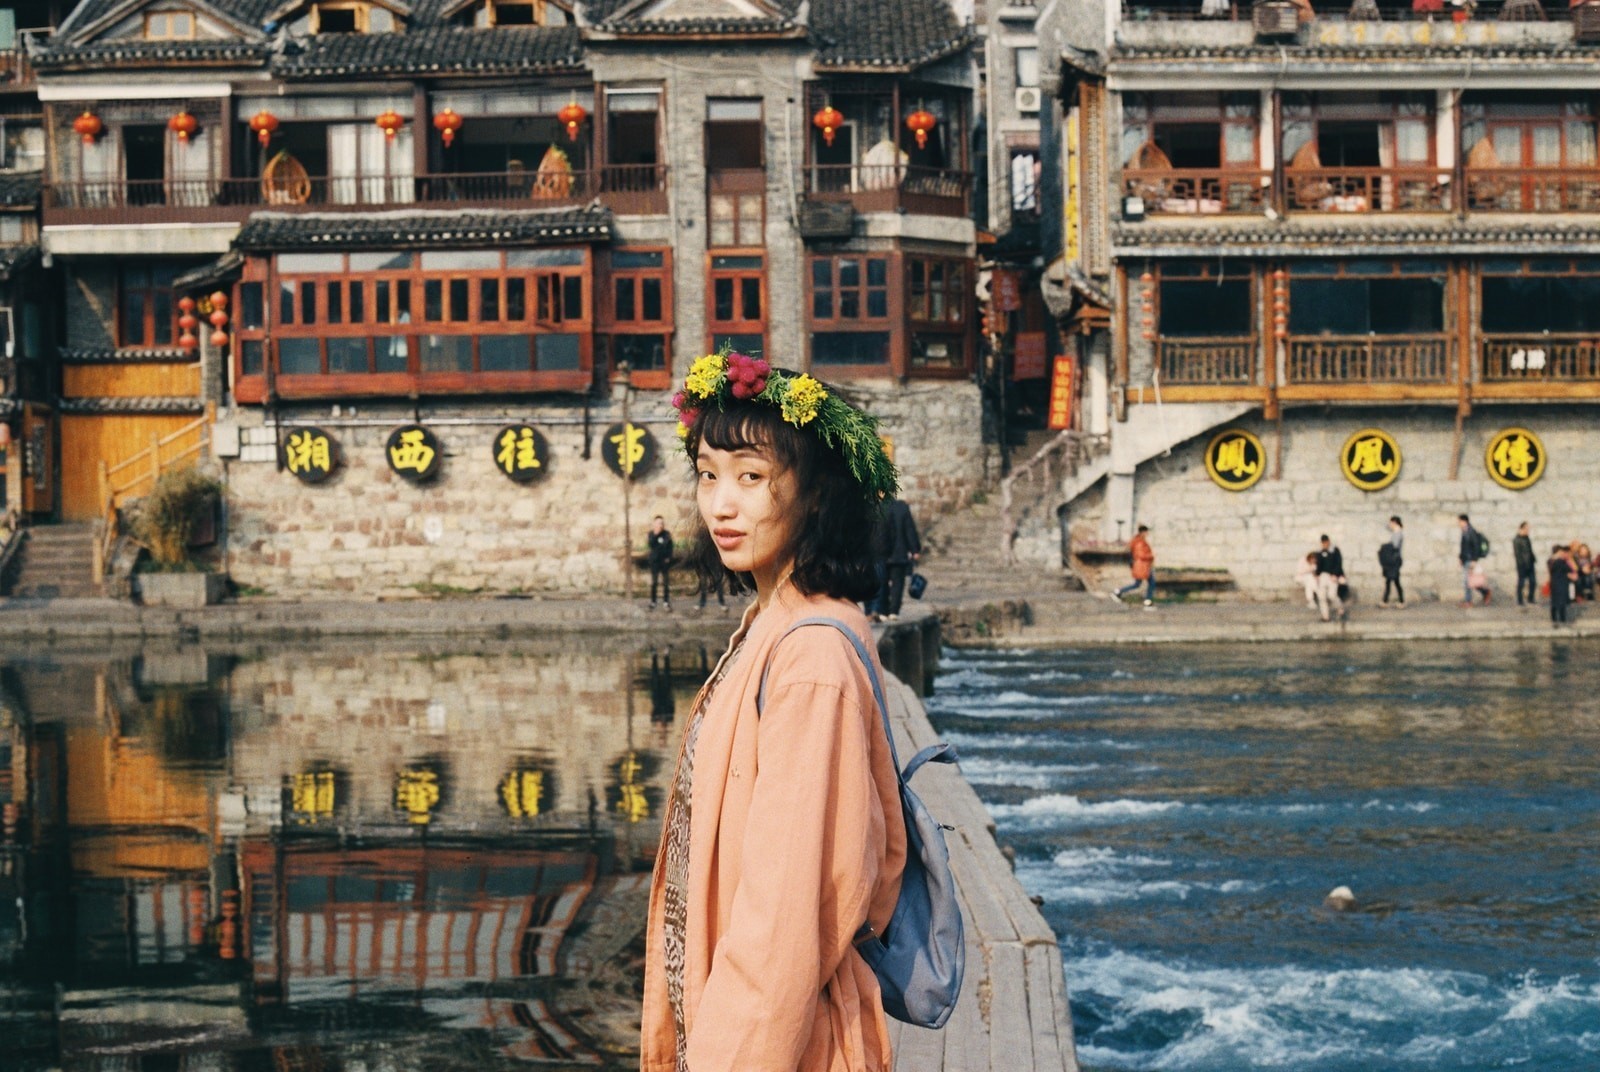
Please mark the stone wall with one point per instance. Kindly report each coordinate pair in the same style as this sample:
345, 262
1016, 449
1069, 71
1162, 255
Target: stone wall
370, 533
1260, 534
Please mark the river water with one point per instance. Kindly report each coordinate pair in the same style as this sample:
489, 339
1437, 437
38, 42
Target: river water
1184, 810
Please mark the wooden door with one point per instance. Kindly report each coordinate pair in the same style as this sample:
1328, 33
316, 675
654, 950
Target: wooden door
38, 459
87, 441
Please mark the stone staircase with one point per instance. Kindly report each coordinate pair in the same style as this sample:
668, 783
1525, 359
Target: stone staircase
54, 562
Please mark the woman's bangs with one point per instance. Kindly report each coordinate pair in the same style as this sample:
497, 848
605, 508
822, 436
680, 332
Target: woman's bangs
739, 428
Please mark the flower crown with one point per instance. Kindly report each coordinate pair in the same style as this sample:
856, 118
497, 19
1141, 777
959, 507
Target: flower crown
803, 401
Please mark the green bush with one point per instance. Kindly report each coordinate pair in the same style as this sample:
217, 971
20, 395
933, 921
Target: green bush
167, 516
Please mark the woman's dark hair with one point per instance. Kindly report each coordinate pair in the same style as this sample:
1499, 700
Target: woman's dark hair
834, 537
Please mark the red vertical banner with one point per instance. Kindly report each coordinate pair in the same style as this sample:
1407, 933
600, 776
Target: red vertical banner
1061, 385
1028, 361
1007, 288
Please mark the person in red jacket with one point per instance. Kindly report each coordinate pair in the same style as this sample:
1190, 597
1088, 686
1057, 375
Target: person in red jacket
1144, 569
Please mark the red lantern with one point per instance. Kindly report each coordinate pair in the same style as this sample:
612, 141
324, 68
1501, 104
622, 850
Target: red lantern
183, 125
187, 341
390, 123
188, 322
447, 123
572, 116
828, 120
186, 304
88, 126
219, 338
920, 122
264, 123
219, 319
219, 299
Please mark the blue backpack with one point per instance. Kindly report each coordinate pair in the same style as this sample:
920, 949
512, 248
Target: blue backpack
921, 956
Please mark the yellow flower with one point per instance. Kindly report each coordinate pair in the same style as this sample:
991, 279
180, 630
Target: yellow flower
705, 375
803, 400
683, 430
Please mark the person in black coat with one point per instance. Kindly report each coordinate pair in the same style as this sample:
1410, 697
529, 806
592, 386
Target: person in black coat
659, 555
1560, 567
1330, 578
901, 547
1527, 565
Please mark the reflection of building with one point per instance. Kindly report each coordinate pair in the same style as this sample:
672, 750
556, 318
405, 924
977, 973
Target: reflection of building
1310, 227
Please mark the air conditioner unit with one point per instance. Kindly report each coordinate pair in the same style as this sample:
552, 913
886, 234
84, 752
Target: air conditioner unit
1275, 19
1028, 99
1586, 23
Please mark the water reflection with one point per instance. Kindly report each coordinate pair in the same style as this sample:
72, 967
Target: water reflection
330, 858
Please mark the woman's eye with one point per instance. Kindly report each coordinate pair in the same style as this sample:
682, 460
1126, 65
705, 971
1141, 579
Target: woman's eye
750, 478
705, 476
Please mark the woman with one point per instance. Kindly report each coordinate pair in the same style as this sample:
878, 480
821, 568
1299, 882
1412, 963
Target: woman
784, 837
1390, 561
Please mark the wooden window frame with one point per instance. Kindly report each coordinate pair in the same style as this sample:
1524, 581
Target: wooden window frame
714, 273
325, 384
539, 10
363, 14
1379, 112
608, 324
959, 297
893, 322
1154, 117
149, 321
151, 16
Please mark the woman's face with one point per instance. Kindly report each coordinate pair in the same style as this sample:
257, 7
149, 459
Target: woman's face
745, 498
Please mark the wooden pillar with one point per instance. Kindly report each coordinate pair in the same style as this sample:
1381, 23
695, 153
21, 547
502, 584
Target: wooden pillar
1280, 200
1462, 338
1124, 324
1458, 164
420, 125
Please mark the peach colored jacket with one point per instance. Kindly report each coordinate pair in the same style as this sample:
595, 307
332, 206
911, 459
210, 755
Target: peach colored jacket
796, 838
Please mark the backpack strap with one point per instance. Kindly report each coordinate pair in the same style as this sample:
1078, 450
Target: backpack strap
938, 753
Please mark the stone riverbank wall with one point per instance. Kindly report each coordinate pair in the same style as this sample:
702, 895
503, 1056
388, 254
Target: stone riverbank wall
1259, 534
368, 532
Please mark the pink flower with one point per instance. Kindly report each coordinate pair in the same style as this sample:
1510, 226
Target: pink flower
679, 401
747, 376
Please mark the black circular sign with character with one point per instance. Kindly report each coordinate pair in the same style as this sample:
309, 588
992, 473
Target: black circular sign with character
310, 454
1235, 459
628, 450
521, 453
413, 452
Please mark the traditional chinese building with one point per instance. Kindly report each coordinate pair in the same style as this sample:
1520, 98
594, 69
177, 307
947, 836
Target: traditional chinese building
1352, 260
390, 234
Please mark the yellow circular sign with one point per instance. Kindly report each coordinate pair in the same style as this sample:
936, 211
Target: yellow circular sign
1370, 459
1235, 459
1515, 459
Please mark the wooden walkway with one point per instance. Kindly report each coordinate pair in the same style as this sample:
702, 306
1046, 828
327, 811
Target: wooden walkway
1013, 1015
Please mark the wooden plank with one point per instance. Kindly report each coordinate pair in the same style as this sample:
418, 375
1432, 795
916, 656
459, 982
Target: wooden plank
131, 380
1063, 1006
967, 1049
1041, 1009
985, 913
920, 1048
88, 440
1010, 1039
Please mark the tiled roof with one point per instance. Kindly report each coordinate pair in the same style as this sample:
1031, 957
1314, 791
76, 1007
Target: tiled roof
281, 231
145, 404
20, 187
887, 34
1369, 237
438, 50
78, 355
1299, 55
64, 56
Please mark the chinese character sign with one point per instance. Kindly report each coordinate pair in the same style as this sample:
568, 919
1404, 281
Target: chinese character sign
628, 450
521, 453
416, 793
1515, 458
1027, 360
310, 454
522, 792
312, 796
1235, 459
1061, 384
631, 803
413, 453
1370, 459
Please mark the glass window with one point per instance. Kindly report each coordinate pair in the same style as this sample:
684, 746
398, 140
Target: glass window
1206, 308
252, 357
392, 354
642, 353
432, 300
651, 290
516, 299
447, 353
572, 297
733, 110
505, 353
358, 302
1027, 66
460, 260
558, 353
286, 302
335, 306
308, 303
252, 307
489, 299
460, 305
622, 259
299, 357
937, 351
850, 348
347, 355
625, 307
560, 257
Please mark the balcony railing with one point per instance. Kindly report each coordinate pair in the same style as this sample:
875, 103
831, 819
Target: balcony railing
1198, 191
1533, 189
891, 187
635, 189
1367, 189
1370, 359
1208, 361
1540, 358
15, 70
1344, 11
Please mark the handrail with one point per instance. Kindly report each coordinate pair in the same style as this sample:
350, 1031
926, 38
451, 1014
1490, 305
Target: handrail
112, 495
1065, 443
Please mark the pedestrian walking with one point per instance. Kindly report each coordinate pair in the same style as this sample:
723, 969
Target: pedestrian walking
659, 555
1142, 563
783, 840
1560, 567
1527, 566
902, 547
1474, 546
1390, 561
1330, 581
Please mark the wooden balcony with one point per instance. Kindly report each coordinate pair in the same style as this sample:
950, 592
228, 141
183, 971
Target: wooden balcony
1541, 358
1208, 361
15, 70
625, 189
891, 188
1370, 359
1198, 191
1535, 189
1348, 189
